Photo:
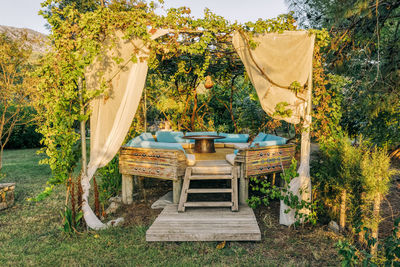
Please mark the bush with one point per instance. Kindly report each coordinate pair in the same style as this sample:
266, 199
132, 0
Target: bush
24, 136
111, 181
351, 181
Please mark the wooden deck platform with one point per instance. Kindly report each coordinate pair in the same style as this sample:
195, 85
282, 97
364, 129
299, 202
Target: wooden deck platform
205, 224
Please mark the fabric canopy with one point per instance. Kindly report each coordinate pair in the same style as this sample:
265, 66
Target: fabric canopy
279, 60
113, 111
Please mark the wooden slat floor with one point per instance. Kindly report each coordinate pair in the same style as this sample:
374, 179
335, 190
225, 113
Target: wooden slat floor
204, 224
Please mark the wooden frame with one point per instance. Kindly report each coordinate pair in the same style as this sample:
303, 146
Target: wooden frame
164, 164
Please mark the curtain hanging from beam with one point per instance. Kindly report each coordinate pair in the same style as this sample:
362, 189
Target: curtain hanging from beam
113, 111
278, 60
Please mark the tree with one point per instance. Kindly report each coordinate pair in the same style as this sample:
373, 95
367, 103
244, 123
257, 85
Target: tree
15, 87
365, 46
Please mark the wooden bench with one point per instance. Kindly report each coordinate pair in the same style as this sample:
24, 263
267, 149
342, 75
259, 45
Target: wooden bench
164, 164
261, 161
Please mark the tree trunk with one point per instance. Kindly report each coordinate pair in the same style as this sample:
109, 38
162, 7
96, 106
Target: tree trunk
1, 157
194, 113
96, 198
342, 221
376, 218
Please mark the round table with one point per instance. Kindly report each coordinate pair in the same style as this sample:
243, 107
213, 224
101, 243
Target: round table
204, 143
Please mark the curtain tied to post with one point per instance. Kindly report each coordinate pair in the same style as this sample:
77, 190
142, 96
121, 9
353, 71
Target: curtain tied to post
279, 60
112, 115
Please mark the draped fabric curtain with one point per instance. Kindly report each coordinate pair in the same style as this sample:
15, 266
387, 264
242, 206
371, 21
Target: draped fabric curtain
113, 111
279, 60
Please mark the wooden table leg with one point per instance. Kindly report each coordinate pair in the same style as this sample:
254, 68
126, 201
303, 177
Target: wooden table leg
176, 189
127, 188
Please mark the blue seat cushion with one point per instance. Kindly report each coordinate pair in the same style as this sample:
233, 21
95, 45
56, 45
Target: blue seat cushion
134, 141
140, 138
259, 137
200, 133
147, 137
233, 138
277, 142
170, 137
160, 145
269, 137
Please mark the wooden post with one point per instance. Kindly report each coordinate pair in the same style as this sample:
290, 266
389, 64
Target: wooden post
234, 195
141, 187
127, 189
176, 189
244, 186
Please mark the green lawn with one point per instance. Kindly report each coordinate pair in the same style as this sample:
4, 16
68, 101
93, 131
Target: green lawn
30, 235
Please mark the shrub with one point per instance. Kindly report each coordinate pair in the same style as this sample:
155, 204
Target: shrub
351, 181
24, 136
111, 181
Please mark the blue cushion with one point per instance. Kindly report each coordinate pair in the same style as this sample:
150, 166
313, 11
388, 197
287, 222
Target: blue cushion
282, 141
235, 151
143, 137
269, 137
259, 137
147, 137
134, 141
201, 133
233, 138
170, 137
160, 145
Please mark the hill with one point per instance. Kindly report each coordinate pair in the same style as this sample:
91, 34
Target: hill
36, 39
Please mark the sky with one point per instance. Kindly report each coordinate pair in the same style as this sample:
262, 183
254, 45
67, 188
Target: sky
24, 13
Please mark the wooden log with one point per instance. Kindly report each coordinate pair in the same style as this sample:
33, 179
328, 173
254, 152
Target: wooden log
127, 188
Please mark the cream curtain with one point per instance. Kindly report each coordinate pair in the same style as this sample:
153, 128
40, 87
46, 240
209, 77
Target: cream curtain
279, 60
113, 112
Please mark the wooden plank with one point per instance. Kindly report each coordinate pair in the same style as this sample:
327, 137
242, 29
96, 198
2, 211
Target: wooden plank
154, 163
211, 177
204, 224
149, 170
208, 204
179, 237
209, 190
185, 187
212, 170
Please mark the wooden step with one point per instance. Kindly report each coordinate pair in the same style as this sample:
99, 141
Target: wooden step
212, 170
211, 177
209, 190
209, 204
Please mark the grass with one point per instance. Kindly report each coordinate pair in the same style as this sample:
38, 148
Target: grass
30, 235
